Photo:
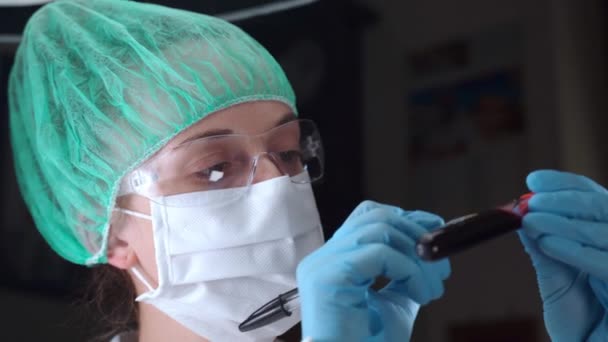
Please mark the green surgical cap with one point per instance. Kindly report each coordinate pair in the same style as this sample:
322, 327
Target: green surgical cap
98, 86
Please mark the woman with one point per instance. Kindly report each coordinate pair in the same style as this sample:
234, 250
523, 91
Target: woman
166, 145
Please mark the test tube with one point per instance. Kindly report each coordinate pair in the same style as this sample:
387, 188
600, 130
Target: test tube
471, 230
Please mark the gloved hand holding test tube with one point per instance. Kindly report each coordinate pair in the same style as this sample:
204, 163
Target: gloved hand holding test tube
455, 236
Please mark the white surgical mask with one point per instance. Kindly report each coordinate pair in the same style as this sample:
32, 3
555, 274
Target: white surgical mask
217, 264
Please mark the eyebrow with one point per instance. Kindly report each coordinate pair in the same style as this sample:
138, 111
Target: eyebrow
285, 118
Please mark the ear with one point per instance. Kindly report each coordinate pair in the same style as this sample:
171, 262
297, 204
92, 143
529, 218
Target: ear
120, 254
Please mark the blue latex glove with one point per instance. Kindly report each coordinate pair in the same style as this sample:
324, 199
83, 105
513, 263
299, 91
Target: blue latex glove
566, 235
334, 282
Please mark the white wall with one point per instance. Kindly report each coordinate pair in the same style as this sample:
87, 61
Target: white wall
564, 83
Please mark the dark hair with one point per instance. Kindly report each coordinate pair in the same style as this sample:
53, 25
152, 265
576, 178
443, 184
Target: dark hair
110, 299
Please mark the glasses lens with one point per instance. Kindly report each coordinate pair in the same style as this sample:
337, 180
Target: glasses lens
223, 165
307, 158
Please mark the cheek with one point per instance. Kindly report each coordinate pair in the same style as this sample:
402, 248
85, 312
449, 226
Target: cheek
144, 249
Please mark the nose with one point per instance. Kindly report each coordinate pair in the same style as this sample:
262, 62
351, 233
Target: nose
265, 169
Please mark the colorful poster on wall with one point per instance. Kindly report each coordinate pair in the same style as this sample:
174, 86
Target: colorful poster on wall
445, 120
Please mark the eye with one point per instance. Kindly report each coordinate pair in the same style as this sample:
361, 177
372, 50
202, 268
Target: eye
291, 156
215, 173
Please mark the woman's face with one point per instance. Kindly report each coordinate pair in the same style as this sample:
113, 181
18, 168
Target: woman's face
131, 241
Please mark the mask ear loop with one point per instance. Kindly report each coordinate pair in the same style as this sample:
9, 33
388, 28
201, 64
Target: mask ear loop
139, 275
133, 213
136, 272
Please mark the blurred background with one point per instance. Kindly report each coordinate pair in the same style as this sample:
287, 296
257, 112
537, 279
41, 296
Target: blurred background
437, 105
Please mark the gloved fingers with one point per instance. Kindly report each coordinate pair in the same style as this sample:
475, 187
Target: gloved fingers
390, 318
421, 292
545, 265
584, 258
531, 247
538, 225
431, 277
384, 214
360, 267
554, 276
552, 180
367, 206
441, 267
377, 232
590, 206
401, 307
424, 218
422, 286
428, 220
600, 289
